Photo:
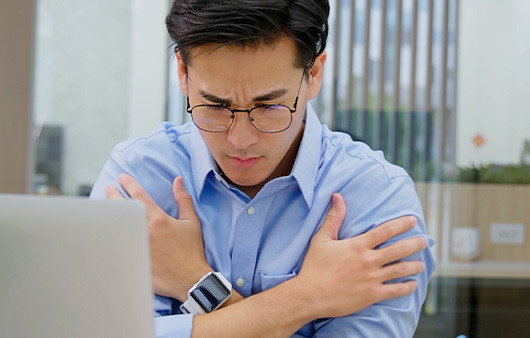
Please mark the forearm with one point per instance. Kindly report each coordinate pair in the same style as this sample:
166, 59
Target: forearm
278, 312
325, 286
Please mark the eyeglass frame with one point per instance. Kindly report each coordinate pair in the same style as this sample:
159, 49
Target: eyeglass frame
248, 111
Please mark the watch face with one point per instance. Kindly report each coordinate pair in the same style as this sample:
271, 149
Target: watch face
210, 293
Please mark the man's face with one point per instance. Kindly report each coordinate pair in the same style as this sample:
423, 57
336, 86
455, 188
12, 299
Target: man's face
242, 79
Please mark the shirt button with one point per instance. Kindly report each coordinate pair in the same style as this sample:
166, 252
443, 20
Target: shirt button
217, 177
240, 281
251, 210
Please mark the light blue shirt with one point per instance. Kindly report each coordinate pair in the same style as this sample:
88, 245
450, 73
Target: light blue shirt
262, 241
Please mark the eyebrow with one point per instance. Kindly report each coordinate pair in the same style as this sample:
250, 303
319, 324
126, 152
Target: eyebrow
272, 95
260, 98
214, 98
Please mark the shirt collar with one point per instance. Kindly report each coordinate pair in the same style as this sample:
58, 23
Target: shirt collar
304, 170
202, 162
308, 158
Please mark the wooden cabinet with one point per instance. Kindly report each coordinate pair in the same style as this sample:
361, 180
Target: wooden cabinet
450, 205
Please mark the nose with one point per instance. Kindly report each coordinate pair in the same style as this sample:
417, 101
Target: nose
242, 134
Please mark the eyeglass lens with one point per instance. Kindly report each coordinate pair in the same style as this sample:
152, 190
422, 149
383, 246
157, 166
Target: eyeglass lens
217, 119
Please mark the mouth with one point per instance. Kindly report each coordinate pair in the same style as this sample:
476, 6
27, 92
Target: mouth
244, 162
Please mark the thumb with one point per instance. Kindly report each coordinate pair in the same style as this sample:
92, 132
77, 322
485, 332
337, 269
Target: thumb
183, 199
331, 225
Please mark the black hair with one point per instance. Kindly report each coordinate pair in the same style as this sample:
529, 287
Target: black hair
250, 23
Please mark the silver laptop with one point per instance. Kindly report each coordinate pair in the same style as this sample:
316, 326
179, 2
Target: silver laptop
72, 267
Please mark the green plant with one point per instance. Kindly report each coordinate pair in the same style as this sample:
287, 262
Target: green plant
492, 173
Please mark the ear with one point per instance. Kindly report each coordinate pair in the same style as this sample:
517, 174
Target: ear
182, 74
315, 76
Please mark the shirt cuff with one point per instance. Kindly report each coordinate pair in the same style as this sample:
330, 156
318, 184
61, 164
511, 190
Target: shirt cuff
174, 326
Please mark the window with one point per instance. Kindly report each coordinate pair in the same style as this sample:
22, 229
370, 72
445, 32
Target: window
100, 78
440, 86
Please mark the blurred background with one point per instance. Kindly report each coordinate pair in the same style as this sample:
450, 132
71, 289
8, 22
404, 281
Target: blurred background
440, 86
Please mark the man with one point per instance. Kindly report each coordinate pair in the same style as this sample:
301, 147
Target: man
301, 221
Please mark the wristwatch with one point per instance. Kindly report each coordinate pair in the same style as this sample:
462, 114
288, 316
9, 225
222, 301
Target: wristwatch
208, 294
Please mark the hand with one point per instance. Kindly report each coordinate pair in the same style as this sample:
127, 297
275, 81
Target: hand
177, 249
344, 276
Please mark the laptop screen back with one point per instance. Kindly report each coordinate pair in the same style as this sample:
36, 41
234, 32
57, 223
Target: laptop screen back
72, 267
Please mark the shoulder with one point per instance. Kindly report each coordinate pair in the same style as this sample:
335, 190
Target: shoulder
168, 145
155, 160
167, 135
374, 189
355, 159
163, 154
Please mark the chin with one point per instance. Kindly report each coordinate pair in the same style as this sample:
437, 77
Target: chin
246, 182
249, 181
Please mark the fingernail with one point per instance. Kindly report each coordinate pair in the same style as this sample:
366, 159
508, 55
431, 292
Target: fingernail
424, 242
412, 221
122, 177
178, 181
334, 199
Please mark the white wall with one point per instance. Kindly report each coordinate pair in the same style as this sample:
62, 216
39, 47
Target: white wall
493, 80
101, 74
149, 66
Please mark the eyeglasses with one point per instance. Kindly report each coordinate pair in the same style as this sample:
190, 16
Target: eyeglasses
267, 118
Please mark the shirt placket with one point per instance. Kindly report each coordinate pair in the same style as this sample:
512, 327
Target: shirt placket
246, 242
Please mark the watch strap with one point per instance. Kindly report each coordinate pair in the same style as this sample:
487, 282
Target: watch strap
212, 290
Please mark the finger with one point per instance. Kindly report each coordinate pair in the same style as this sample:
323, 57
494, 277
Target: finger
184, 200
331, 225
401, 269
390, 229
401, 249
394, 290
113, 193
136, 191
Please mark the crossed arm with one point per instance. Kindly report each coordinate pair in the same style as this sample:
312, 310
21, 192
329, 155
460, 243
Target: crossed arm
337, 278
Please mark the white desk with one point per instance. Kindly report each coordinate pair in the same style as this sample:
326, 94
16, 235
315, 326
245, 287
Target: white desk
483, 269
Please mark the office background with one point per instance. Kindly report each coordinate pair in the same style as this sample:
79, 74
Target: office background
441, 86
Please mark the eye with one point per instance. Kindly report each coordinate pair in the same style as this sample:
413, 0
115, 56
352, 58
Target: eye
214, 108
267, 107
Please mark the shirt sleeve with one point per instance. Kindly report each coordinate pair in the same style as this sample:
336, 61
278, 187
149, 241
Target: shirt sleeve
396, 317
116, 164
167, 325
